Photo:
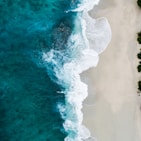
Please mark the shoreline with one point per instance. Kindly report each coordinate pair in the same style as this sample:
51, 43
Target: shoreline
112, 108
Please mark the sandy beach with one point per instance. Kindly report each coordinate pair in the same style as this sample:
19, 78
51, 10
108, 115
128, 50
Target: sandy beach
112, 109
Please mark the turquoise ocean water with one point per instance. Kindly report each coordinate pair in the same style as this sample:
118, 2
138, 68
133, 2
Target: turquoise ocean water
28, 97
43, 49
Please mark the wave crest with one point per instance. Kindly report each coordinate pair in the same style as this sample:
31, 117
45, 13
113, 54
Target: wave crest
65, 67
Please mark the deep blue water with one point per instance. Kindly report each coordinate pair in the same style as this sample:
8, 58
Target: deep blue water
28, 96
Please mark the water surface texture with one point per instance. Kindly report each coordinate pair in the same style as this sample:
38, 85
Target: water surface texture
44, 46
28, 97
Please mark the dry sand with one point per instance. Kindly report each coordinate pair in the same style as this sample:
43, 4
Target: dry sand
112, 109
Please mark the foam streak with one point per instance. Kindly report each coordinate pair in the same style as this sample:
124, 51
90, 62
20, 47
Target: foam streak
84, 48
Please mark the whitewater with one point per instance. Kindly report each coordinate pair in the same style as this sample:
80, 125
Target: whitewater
89, 38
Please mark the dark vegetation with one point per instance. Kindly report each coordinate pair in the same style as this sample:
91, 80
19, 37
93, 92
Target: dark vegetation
139, 55
139, 38
139, 3
139, 68
139, 86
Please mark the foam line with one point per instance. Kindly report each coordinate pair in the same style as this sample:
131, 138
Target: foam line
84, 48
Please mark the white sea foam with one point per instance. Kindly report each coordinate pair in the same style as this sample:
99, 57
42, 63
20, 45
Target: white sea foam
98, 32
84, 48
86, 5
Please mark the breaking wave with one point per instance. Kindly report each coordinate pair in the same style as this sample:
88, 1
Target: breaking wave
89, 38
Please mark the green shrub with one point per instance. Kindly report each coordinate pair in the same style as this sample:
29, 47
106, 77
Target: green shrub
139, 68
139, 55
139, 85
139, 34
139, 40
139, 3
